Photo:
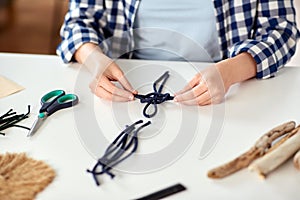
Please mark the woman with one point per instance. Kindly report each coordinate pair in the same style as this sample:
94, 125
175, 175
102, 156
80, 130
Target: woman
246, 39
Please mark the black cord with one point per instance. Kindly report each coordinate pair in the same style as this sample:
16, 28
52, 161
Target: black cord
155, 97
116, 151
10, 119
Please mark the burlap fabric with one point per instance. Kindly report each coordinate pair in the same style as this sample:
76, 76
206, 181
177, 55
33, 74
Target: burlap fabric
21, 177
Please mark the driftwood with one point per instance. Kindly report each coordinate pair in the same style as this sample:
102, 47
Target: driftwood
283, 139
297, 160
278, 156
260, 148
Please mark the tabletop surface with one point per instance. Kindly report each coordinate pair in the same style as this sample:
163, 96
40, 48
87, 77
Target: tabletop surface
182, 144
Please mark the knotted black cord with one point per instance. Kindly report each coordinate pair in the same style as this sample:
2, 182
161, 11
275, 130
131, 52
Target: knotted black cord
10, 119
155, 97
115, 152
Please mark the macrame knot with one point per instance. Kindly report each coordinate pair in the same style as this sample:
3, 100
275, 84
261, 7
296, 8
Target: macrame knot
156, 97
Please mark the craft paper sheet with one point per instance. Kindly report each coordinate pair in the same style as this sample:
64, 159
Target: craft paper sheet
8, 87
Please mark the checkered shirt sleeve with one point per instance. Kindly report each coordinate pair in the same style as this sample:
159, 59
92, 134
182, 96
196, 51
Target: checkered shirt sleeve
274, 37
103, 22
82, 24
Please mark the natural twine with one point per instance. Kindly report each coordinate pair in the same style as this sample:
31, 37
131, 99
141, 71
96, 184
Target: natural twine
22, 178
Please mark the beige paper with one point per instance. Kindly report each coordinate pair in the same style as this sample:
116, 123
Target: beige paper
8, 87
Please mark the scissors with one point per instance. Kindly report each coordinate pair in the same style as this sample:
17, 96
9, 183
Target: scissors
52, 102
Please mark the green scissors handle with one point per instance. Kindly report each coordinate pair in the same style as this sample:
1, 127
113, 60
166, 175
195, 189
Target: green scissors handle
65, 101
56, 100
50, 98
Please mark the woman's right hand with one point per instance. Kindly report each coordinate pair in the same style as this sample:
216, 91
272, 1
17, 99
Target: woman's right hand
105, 71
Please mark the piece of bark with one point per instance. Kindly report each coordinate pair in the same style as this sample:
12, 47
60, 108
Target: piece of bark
278, 156
258, 150
297, 160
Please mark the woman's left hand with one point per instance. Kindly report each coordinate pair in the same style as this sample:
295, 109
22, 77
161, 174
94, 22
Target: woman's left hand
210, 85
206, 87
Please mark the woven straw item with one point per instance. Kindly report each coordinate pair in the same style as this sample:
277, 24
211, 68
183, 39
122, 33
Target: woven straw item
22, 178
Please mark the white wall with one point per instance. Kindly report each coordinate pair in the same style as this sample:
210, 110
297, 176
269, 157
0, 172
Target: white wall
295, 61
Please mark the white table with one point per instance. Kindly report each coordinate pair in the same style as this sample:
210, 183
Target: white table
250, 109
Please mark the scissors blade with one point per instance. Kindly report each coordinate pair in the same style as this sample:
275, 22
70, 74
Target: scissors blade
36, 125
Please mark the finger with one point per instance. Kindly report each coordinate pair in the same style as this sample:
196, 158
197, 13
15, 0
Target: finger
112, 88
204, 98
185, 89
104, 94
200, 100
118, 75
191, 94
206, 103
125, 83
195, 81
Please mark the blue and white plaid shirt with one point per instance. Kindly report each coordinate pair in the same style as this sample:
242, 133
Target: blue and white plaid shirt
264, 28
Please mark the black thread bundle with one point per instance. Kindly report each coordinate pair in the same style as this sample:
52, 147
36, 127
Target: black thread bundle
156, 97
118, 150
10, 119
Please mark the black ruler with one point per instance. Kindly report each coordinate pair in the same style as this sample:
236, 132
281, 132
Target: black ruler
164, 192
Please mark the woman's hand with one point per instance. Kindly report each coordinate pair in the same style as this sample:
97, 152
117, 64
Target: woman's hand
105, 72
205, 88
210, 85
103, 85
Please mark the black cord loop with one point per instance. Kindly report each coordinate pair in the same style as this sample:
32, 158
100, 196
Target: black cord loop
118, 151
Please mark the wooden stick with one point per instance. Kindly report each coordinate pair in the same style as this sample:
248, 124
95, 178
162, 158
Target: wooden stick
297, 160
274, 159
285, 138
258, 150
